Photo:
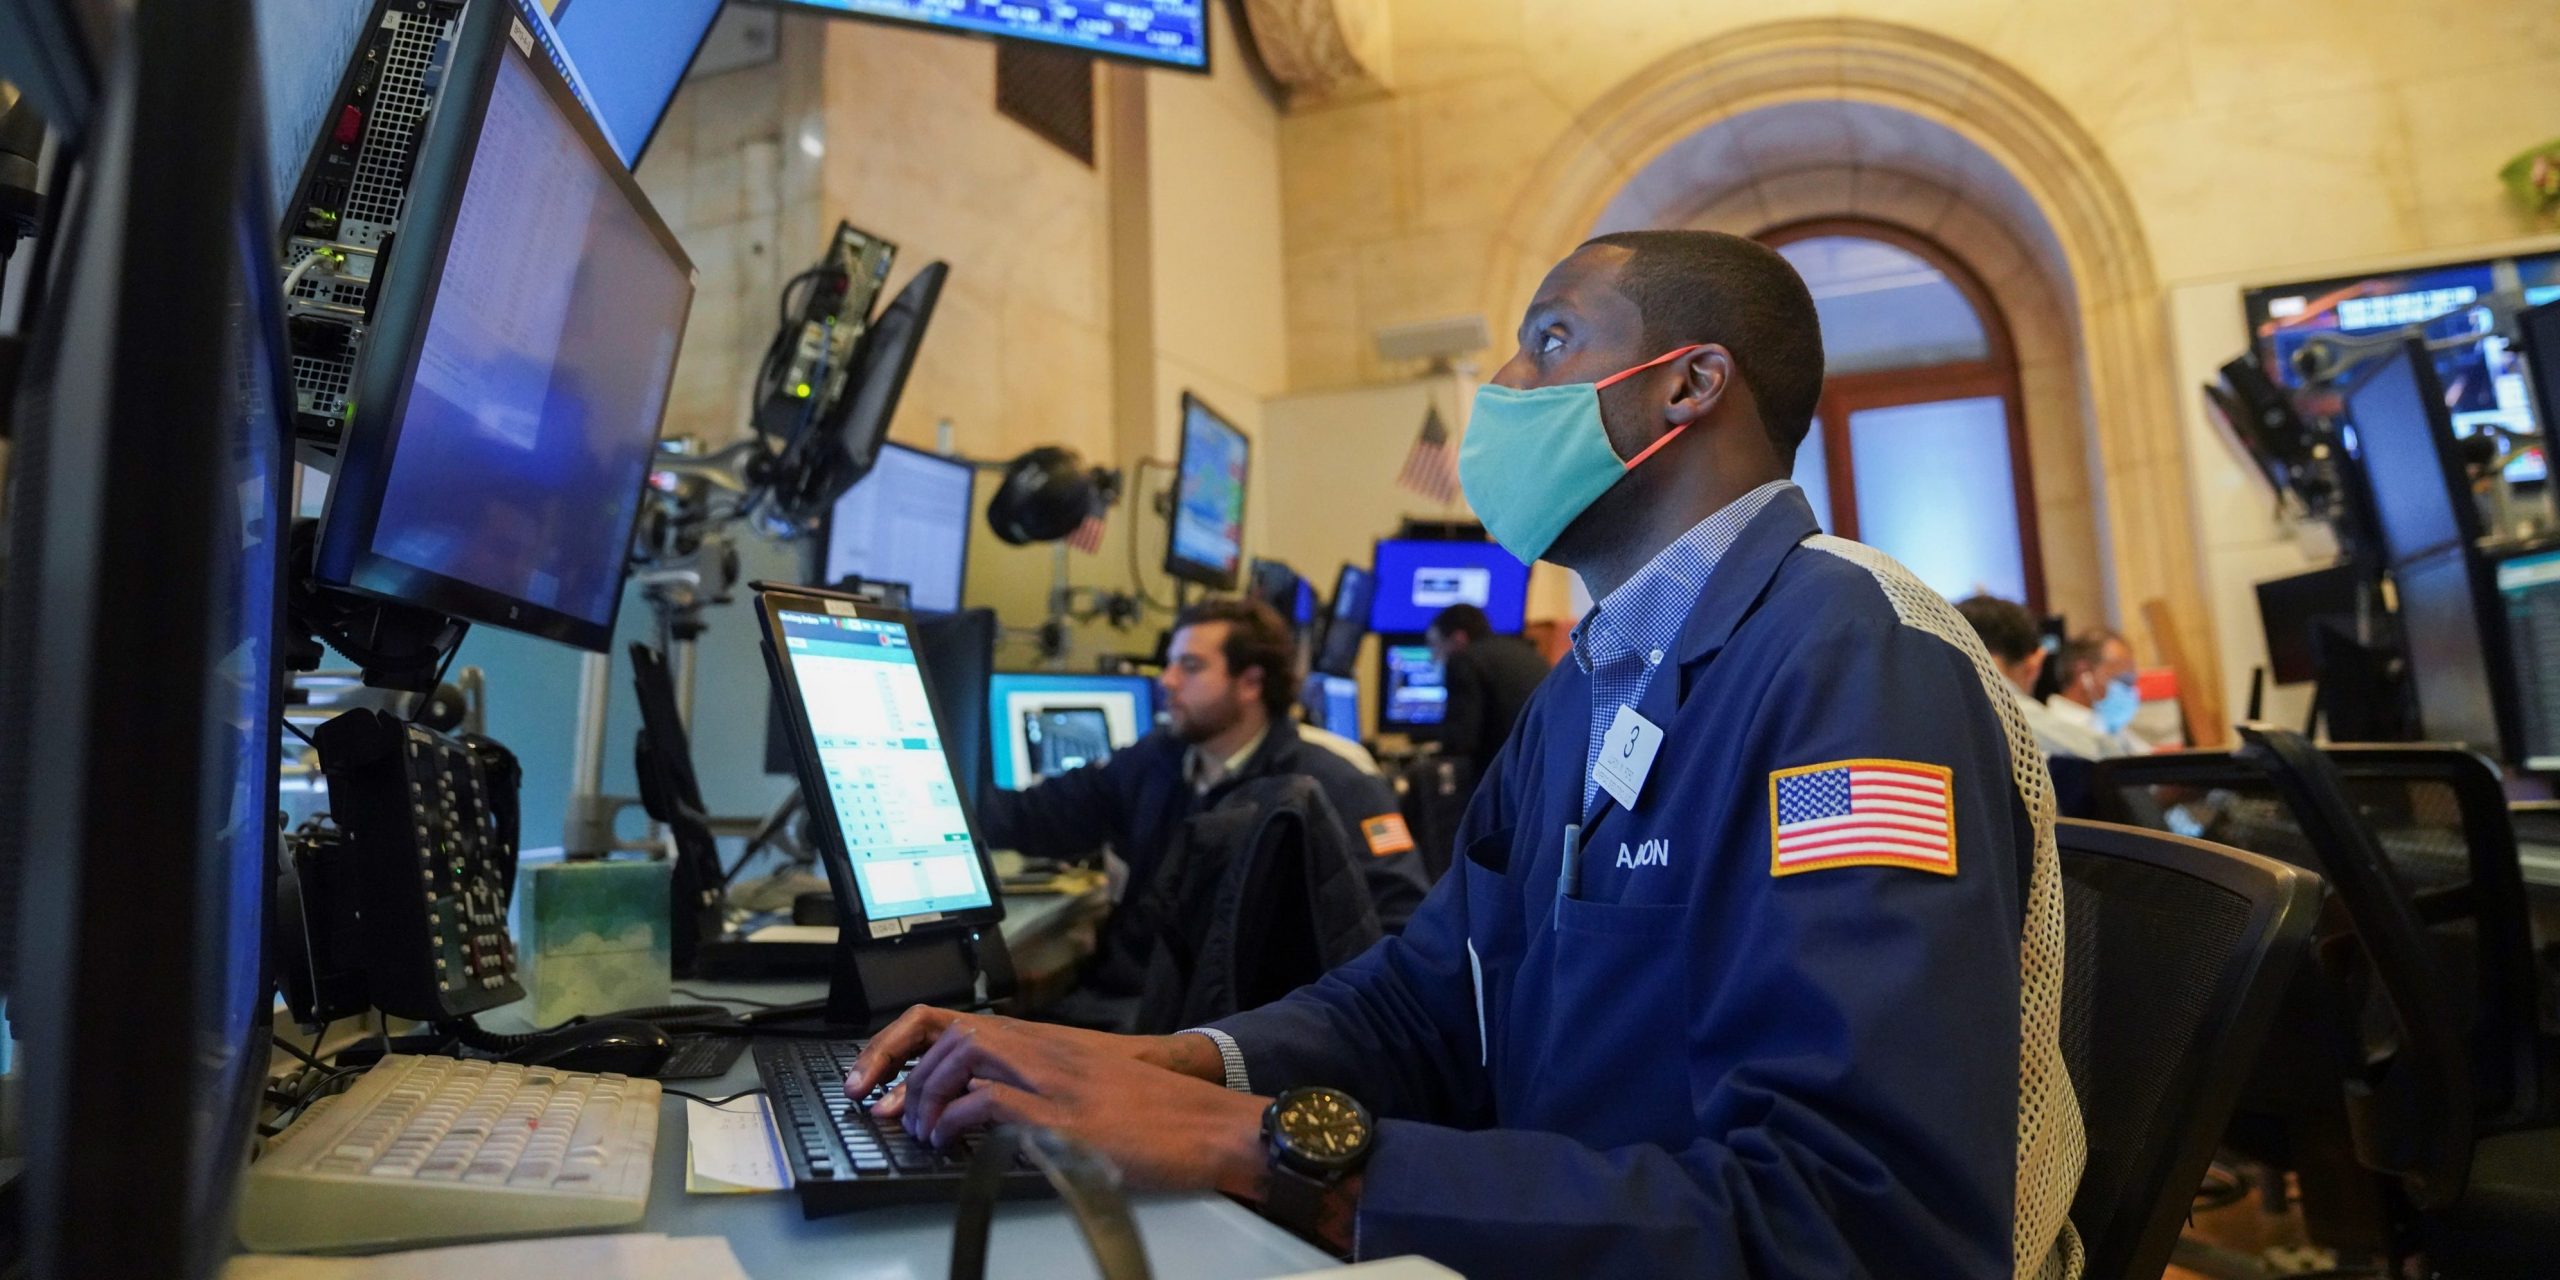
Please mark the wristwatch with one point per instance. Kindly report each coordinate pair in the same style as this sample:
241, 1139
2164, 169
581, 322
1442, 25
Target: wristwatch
1316, 1138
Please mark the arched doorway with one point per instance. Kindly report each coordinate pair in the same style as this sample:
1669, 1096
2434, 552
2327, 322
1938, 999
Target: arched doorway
1920, 405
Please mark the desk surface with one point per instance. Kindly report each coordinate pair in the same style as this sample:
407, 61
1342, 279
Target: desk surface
1186, 1236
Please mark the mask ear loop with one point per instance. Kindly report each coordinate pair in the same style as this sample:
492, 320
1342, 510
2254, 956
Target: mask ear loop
1621, 376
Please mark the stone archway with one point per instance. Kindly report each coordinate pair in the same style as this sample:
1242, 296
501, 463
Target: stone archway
2146, 534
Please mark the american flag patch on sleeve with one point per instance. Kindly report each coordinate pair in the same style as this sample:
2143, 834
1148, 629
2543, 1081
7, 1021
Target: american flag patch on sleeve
1862, 813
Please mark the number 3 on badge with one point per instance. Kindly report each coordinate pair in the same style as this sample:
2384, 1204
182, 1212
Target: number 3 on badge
1626, 756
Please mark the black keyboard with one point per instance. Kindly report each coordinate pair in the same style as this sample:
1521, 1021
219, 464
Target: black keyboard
842, 1159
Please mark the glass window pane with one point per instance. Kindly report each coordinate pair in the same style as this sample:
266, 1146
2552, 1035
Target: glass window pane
1883, 307
1811, 475
1936, 492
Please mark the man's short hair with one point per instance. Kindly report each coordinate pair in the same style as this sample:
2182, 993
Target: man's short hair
2087, 650
1705, 286
1463, 620
2006, 628
1256, 637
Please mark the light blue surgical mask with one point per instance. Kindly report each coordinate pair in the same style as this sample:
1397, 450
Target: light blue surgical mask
1533, 461
2116, 706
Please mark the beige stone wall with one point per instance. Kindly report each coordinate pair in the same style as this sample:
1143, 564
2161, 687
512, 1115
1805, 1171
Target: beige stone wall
2251, 135
2236, 142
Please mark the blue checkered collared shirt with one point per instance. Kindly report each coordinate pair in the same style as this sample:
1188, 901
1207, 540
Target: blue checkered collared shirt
1626, 637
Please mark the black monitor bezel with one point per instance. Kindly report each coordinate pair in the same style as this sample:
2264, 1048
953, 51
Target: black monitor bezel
833, 853
825, 543
2455, 478
413, 276
1214, 577
1208, 39
1388, 721
2488, 623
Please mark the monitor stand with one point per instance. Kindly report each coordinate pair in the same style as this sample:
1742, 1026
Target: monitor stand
874, 982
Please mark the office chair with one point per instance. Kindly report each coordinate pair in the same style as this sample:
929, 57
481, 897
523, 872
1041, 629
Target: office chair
2175, 953
2429, 1002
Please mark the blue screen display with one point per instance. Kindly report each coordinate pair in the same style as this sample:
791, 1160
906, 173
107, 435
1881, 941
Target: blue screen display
888, 778
1416, 580
907, 521
632, 54
1174, 33
1023, 705
1412, 696
534, 408
1208, 512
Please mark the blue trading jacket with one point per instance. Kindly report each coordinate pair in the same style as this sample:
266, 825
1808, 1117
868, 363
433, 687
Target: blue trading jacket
1694, 1066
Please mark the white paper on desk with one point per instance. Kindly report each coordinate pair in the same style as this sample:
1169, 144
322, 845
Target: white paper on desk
794, 933
732, 1150
624, 1257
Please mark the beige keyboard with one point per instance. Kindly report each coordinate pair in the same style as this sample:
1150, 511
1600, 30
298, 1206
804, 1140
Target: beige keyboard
427, 1149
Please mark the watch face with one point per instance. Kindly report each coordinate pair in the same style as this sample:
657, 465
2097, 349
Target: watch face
1323, 1125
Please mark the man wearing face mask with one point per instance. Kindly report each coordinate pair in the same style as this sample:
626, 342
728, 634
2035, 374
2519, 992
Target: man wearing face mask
2099, 693
1751, 962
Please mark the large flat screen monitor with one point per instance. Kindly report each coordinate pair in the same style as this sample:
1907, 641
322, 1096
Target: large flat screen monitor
139, 664
1047, 723
907, 521
2444, 628
1417, 579
1411, 697
1161, 33
2539, 330
1333, 704
509, 400
1346, 620
2529, 589
893, 829
2482, 381
2421, 499
2292, 610
1207, 542
633, 54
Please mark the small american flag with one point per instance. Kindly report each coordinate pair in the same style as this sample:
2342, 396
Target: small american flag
1087, 537
1862, 813
1431, 466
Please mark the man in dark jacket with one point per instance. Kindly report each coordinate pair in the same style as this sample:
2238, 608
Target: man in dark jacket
1489, 678
1227, 693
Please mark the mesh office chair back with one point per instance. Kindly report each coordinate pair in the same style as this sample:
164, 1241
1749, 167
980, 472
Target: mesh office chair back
2177, 953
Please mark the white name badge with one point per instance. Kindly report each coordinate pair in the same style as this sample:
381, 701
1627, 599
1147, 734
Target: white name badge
1626, 756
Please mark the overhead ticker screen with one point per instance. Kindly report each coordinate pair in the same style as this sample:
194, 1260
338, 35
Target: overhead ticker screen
1172, 33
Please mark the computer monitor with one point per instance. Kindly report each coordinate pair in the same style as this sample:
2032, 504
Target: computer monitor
524, 341
1173, 34
2291, 610
906, 522
1050, 722
885, 796
1207, 542
2529, 593
1419, 578
139, 691
2445, 632
633, 54
959, 650
1346, 620
1411, 697
2421, 498
1332, 703
2538, 334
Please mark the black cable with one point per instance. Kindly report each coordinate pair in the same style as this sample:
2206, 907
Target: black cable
307, 1056
752, 1004
1137, 514
713, 1103
296, 730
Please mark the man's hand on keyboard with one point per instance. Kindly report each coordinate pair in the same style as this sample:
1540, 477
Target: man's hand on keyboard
920, 1027
1151, 1103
